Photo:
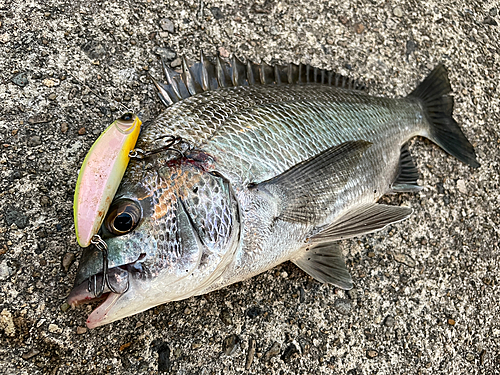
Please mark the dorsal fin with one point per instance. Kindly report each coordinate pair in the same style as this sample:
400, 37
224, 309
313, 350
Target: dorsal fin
207, 75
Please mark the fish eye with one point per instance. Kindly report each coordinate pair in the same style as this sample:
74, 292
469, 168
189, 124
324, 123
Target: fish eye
127, 116
123, 217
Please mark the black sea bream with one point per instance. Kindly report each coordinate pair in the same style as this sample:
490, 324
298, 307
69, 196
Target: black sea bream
250, 166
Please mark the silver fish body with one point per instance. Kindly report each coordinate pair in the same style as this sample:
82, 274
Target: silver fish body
258, 175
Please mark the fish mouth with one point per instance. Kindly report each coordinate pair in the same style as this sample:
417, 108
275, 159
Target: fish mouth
116, 286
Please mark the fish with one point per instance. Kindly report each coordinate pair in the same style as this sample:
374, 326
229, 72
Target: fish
252, 165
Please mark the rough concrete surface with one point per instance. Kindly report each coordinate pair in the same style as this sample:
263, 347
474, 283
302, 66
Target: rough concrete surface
426, 297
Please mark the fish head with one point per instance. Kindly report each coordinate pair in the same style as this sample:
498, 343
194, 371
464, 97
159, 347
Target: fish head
170, 232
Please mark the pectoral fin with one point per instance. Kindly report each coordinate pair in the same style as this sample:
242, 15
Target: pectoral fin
308, 189
362, 220
326, 264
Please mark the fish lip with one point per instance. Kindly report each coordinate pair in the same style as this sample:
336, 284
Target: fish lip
98, 316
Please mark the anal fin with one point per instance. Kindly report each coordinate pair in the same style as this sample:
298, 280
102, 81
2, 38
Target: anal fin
406, 180
361, 220
325, 263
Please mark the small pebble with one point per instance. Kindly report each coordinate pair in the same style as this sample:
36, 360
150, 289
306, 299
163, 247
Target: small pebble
5, 271
52, 96
223, 52
250, 354
177, 352
32, 353
82, 131
68, 260
34, 141
64, 127
125, 346
371, 353
398, 12
272, 352
411, 47
352, 294
65, 306
164, 358
302, 295
4, 38
50, 82
230, 344
217, 13
226, 317
343, 20
167, 25
20, 79
451, 322
389, 321
39, 119
359, 28
187, 311
289, 352
253, 312
196, 345
54, 328
490, 21
343, 306
7, 323
461, 186
81, 330
45, 201
405, 259
166, 53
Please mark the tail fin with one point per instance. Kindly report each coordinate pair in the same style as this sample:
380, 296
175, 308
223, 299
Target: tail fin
444, 131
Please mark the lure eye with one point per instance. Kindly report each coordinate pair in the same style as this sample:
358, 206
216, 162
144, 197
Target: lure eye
127, 116
123, 217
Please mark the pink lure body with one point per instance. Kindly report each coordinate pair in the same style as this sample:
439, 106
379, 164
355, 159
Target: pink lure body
101, 174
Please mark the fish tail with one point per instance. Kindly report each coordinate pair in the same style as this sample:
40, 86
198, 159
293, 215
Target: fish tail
438, 107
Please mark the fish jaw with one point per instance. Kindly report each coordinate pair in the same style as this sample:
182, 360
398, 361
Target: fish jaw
141, 295
116, 304
99, 316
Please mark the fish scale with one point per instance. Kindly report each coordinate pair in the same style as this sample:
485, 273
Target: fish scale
268, 164
285, 125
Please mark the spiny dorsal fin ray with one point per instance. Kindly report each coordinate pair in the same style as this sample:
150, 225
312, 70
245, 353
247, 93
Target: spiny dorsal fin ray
206, 75
163, 93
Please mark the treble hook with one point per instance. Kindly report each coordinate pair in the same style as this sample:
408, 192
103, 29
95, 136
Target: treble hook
137, 153
99, 243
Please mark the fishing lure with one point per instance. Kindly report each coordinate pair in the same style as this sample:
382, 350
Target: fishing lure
101, 174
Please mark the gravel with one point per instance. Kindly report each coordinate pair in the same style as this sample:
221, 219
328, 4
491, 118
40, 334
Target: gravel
69, 68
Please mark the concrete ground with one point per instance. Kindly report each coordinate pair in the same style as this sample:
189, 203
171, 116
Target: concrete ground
426, 297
